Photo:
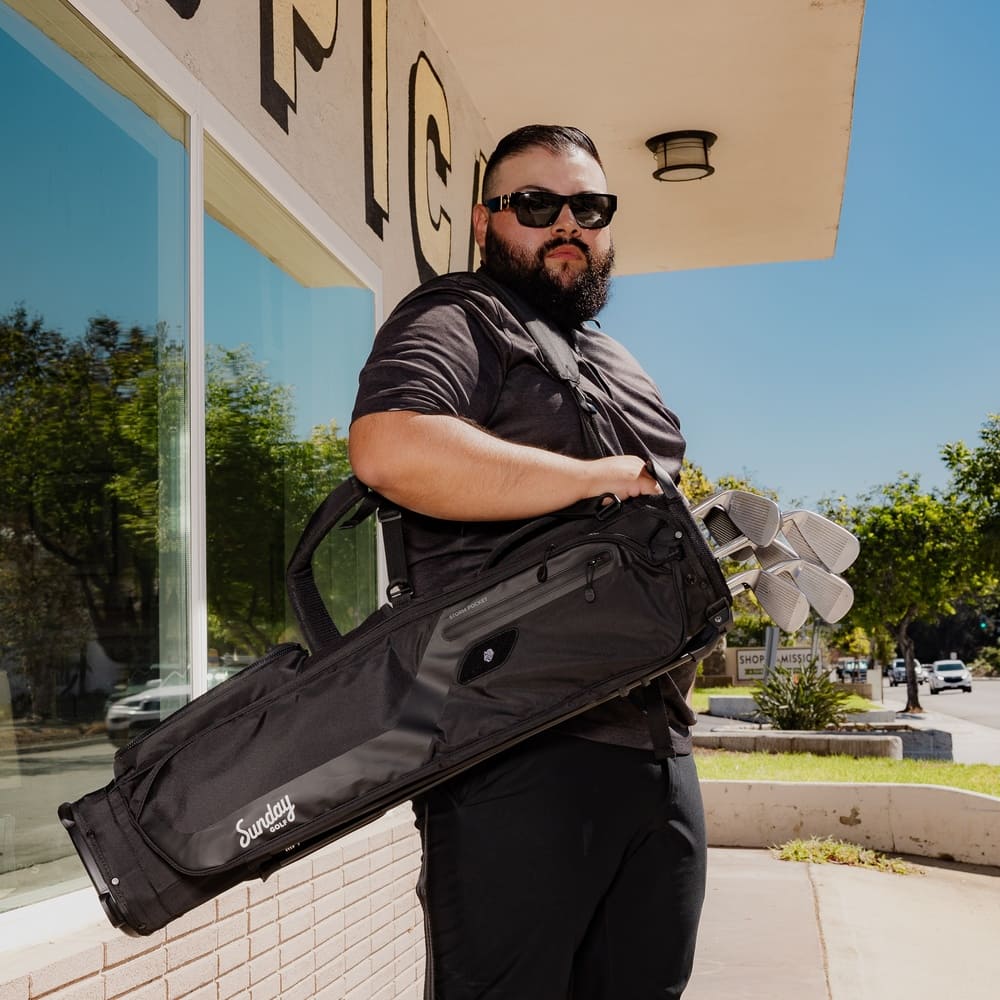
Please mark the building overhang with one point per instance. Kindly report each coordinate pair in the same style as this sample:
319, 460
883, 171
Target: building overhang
774, 79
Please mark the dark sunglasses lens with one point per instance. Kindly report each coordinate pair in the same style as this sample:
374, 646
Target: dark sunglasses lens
537, 208
592, 211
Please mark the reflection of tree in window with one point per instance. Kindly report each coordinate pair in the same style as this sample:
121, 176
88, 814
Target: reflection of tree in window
82, 426
262, 485
78, 491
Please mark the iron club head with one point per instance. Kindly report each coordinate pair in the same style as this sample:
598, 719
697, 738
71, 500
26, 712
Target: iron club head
811, 537
831, 596
818, 539
780, 598
732, 513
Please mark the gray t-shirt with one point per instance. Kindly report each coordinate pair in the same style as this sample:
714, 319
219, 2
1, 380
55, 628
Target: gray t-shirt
452, 348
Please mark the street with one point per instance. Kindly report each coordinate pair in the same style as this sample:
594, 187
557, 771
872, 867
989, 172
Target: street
982, 706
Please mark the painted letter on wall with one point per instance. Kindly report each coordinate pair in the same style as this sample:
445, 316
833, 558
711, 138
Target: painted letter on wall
376, 98
429, 127
287, 27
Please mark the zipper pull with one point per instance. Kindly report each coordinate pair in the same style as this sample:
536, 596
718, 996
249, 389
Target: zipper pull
589, 594
543, 570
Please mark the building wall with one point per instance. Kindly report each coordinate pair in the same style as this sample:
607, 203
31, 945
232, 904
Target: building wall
340, 128
306, 79
342, 925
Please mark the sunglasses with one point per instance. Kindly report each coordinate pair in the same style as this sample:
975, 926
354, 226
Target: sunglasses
538, 209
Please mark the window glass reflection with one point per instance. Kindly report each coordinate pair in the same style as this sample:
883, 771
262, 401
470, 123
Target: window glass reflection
92, 406
287, 329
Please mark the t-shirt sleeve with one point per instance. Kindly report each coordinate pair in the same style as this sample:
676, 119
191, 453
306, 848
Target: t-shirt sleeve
443, 357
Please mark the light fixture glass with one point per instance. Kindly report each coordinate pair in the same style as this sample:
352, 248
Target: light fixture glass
682, 156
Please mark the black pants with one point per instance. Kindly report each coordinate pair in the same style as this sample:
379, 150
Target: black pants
563, 870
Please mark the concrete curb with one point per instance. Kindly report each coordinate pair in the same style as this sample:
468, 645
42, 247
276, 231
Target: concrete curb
926, 820
769, 741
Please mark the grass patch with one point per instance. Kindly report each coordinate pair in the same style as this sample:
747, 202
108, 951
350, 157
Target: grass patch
699, 699
729, 765
829, 851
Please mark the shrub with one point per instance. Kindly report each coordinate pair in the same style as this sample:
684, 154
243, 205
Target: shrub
987, 663
801, 699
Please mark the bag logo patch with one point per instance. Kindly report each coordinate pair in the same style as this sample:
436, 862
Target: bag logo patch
277, 815
488, 656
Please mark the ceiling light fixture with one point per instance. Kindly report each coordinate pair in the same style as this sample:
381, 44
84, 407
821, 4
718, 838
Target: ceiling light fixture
682, 156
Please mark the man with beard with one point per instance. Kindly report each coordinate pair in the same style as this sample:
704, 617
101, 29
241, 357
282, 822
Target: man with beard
573, 865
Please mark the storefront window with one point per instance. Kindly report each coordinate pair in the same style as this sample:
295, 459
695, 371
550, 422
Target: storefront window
95, 438
93, 454
287, 328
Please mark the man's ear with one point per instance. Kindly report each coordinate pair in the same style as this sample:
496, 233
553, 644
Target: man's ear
480, 220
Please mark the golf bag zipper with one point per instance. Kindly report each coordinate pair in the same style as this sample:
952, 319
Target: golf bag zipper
551, 585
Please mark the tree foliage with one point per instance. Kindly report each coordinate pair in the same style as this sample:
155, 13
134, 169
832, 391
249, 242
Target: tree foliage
918, 557
976, 478
91, 448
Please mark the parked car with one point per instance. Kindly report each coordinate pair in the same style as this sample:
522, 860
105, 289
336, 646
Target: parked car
132, 715
947, 674
897, 672
852, 671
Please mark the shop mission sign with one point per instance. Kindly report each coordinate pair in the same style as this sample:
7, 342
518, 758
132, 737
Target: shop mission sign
750, 662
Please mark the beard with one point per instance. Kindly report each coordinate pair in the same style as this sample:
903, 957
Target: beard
525, 273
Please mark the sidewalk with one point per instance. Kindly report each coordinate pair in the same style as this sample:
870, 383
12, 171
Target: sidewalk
777, 930
780, 930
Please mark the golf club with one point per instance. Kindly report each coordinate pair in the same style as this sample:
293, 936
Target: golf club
732, 513
780, 598
830, 596
819, 539
812, 536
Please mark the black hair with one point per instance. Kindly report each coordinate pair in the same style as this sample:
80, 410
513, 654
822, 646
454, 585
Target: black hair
554, 138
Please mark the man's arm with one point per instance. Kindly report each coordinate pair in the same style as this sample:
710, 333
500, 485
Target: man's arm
441, 466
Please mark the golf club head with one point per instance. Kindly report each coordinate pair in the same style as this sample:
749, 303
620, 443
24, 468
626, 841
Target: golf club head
830, 596
732, 513
811, 536
741, 550
780, 598
818, 539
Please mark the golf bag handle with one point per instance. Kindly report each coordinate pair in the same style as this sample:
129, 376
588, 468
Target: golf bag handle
662, 478
317, 626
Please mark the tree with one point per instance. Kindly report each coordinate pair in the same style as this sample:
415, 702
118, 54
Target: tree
976, 478
918, 557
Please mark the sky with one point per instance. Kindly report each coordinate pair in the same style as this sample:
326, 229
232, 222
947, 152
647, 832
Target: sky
828, 378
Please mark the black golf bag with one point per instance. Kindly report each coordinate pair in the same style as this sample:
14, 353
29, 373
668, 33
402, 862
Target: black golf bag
301, 747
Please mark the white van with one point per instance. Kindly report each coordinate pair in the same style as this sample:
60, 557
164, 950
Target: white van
897, 672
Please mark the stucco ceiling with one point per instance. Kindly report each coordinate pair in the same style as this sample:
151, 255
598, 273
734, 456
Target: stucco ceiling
773, 78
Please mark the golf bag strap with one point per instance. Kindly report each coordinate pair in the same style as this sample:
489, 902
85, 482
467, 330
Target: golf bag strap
654, 707
558, 358
318, 628
399, 589
561, 361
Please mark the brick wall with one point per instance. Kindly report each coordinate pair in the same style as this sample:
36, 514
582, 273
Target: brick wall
342, 924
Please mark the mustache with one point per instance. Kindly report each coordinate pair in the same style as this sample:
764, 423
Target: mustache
563, 242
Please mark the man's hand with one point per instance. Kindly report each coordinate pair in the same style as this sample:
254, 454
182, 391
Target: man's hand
623, 475
444, 467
